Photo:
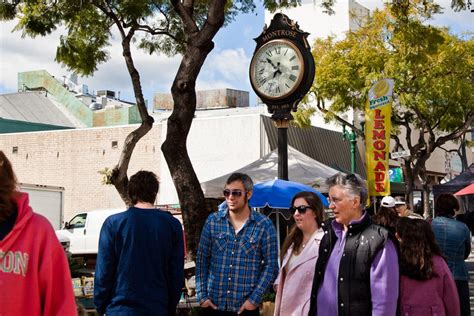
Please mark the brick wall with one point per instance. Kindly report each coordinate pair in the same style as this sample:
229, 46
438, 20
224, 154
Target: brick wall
72, 159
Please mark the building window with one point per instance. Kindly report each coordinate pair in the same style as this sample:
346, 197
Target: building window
15, 150
114, 144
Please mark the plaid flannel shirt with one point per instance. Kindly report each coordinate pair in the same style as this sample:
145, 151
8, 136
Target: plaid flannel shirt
232, 268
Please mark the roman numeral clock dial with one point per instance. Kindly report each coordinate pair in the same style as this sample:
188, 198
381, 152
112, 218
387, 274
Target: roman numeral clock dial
276, 69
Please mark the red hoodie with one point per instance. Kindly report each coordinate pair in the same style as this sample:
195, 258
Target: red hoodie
34, 274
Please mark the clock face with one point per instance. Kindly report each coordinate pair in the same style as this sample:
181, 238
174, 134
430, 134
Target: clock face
277, 69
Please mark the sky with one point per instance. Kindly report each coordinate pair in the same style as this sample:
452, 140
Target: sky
226, 66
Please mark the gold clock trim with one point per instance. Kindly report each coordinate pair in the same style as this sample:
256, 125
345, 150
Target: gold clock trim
300, 77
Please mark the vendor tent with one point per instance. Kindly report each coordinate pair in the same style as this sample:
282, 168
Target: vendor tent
456, 184
301, 168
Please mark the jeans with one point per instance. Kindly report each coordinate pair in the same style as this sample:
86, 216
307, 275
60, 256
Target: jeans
463, 291
212, 312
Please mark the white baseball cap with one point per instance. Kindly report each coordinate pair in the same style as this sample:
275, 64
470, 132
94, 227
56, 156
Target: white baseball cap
388, 201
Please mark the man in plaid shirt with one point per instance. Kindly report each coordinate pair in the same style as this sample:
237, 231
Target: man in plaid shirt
237, 258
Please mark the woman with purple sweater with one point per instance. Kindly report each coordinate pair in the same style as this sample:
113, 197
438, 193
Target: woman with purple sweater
426, 284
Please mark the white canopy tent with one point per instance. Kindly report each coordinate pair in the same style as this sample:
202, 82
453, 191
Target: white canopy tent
301, 168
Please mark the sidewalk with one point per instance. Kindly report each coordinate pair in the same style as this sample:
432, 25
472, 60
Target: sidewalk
470, 267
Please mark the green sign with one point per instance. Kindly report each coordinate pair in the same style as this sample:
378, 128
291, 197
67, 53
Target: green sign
396, 175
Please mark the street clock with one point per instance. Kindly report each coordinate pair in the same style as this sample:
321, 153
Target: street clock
282, 66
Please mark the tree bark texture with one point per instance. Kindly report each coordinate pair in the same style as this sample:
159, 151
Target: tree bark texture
199, 44
119, 176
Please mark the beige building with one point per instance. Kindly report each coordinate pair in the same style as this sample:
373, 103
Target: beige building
73, 158
206, 99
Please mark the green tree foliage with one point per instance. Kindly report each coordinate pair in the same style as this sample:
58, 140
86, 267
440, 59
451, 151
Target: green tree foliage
433, 72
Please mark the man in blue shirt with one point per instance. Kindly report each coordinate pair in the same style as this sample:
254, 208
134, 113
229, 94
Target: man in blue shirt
454, 240
237, 258
140, 264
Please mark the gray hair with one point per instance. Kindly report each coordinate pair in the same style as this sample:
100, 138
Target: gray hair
353, 184
242, 177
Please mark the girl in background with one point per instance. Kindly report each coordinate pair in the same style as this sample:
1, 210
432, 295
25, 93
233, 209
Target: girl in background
387, 217
299, 254
426, 284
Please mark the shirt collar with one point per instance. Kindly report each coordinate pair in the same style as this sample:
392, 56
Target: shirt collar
339, 227
222, 211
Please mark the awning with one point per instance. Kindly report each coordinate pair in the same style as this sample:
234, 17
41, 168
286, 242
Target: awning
301, 168
456, 184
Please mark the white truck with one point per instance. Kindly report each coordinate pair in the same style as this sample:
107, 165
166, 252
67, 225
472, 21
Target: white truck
46, 200
80, 235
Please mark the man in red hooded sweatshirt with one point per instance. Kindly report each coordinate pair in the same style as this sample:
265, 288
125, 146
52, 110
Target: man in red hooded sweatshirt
34, 274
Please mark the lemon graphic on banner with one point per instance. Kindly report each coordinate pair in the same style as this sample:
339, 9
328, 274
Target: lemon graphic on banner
381, 88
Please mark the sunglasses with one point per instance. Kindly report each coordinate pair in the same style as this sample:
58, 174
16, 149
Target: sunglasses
234, 193
352, 178
301, 209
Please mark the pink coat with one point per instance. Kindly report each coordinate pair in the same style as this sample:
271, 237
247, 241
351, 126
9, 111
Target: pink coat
294, 287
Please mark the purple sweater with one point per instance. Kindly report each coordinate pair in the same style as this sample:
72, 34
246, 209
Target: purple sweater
383, 278
437, 296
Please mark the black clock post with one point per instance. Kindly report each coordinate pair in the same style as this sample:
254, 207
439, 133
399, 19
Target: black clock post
281, 73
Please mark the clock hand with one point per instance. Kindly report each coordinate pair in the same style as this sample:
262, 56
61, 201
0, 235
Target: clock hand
270, 61
277, 70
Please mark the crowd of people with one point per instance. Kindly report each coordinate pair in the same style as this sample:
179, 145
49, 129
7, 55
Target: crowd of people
391, 263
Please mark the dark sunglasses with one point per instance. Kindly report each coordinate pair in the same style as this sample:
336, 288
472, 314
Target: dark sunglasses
352, 178
301, 209
234, 193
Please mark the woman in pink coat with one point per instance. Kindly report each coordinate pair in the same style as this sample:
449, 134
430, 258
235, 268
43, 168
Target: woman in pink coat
426, 284
299, 253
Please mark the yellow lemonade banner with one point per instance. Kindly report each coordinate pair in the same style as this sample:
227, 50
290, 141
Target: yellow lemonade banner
377, 136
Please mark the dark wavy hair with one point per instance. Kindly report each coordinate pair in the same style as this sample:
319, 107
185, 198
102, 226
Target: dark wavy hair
295, 236
446, 204
8, 186
386, 217
143, 187
242, 177
417, 248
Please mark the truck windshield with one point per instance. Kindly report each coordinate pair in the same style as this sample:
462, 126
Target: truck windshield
78, 221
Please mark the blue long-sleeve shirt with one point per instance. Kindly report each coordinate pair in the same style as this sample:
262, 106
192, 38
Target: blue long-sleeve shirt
140, 264
232, 268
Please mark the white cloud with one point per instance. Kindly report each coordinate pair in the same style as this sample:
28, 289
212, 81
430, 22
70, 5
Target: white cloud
231, 64
458, 22
210, 84
25, 54
19, 54
224, 68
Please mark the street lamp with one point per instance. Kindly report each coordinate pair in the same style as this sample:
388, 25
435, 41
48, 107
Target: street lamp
351, 136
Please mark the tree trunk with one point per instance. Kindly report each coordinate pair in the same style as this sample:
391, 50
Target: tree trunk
119, 176
409, 181
199, 45
426, 202
187, 185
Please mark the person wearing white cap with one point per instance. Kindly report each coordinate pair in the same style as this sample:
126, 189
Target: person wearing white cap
387, 201
403, 210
